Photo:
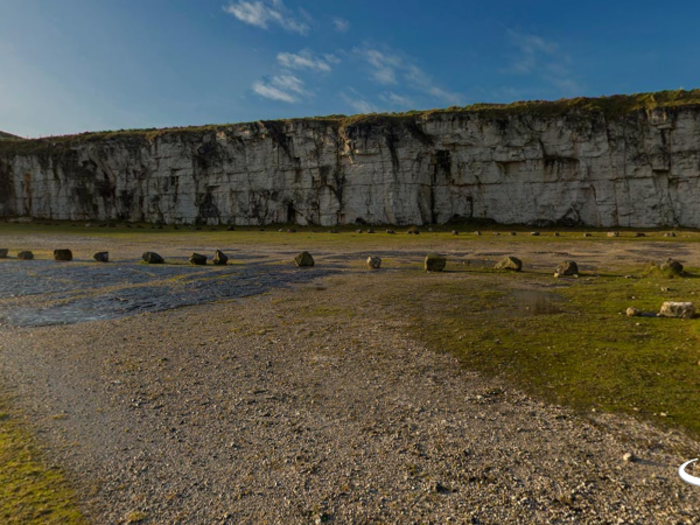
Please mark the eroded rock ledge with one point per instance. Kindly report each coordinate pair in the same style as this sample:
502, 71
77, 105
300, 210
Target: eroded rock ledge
627, 161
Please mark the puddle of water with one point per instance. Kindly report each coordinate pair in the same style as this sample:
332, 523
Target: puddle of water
535, 302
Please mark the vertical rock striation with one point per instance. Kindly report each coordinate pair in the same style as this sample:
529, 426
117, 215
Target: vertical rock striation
567, 162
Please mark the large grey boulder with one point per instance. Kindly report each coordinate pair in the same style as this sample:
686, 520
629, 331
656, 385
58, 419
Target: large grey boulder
220, 258
304, 259
509, 263
198, 259
434, 263
677, 309
62, 255
101, 257
25, 256
152, 258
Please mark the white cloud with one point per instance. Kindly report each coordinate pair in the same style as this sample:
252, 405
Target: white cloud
306, 60
539, 57
389, 68
266, 13
395, 99
285, 88
357, 102
341, 25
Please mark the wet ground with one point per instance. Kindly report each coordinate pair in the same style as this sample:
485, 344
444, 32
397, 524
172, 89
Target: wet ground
41, 292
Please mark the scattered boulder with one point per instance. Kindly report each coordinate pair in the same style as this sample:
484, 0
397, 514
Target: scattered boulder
3, 253
371, 230
25, 256
613, 234
198, 259
304, 259
455, 232
587, 234
670, 234
434, 263
413, 230
673, 266
62, 255
230, 229
633, 312
535, 234
152, 258
640, 234
566, 268
391, 232
291, 230
358, 231
677, 309
374, 263
335, 231
509, 263
513, 234
556, 234
220, 258
101, 257
477, 233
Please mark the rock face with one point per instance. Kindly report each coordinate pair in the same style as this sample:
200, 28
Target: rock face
584, 163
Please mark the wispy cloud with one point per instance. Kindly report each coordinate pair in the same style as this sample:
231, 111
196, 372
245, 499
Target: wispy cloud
267, 13
341, 25
539, 57
307, 60
357, 102
395, 99
389, 68
285, 88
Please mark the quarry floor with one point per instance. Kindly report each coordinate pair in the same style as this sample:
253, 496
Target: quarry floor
275, 394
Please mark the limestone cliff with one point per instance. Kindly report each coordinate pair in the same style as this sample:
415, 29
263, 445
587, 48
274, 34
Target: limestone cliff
618, 161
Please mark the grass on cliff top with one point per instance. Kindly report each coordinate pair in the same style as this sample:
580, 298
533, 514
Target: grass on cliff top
612, 107
31, 493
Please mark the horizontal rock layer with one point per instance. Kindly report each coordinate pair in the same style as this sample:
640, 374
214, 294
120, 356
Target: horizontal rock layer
638, 169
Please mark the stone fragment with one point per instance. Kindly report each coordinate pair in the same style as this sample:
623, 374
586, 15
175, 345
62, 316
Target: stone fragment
152, 258
374, 263
101, 257
220, 258
434, 263
509, 263
613, 234
62, 255
683, 310
198, 259
304, 259
25, 256
633, 312
567, 268
3, 253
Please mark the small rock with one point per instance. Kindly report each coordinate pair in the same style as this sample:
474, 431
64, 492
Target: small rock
513, 234
509, 263
101, 257
477, 233
670, 234
640, 234
628, 457
230, 229
684, 310
3, 253
25, 256
633, 312
358, 231
198, 259
370, 230
291, 230
455, 232
152, 258
434, 263
62, 255
220, 258
390, 231
304, 259
567, 268
335, 231
374, 263
535, 234
672, 265
613, 234
587, 234
556, 234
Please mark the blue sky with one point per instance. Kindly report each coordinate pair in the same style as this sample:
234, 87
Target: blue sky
84, 65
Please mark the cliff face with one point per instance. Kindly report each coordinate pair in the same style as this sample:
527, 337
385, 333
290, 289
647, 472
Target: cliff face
638, 169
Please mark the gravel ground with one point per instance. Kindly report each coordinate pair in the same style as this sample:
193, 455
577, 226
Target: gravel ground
286, 408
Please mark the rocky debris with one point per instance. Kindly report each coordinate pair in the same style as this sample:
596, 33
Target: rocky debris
568, 268
198, 259
25, 256
684, 310
535, 234
101, 257
374, 263
220, 258
152, 258
304, 259
673, 266
62, 255
509, 263
670, 234
434, 263
3, 253
613, 234
633, 312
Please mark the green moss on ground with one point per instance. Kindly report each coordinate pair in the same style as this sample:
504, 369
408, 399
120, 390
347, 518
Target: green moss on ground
31, 493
